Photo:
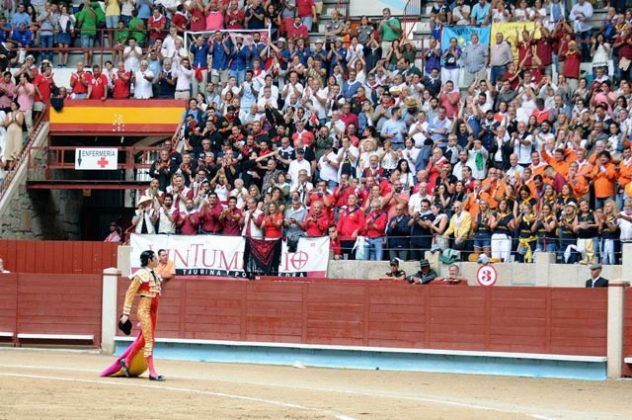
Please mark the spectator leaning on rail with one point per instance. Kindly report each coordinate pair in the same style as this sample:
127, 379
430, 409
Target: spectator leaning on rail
453, 275
425, 274
395, 273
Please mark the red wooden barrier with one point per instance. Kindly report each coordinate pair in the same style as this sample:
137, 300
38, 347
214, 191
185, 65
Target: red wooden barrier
59, 304
8, 303
66, 257
384, 314
627, 330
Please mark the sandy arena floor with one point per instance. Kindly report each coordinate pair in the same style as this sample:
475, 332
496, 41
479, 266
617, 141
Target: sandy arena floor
43, 384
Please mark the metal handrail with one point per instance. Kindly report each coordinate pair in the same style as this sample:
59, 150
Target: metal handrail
26, 149
412, 15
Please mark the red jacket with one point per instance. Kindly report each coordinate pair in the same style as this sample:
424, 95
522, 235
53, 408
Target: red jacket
349, 222
316, 226
376, 224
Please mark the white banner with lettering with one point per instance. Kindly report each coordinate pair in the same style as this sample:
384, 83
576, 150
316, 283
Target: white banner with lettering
222, 256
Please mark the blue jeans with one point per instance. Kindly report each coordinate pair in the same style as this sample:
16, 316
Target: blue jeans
599, 202
87, 41
607, 252
497, 71
46, 41
240, 75
111, 22
308, 21
550, 245
376, 249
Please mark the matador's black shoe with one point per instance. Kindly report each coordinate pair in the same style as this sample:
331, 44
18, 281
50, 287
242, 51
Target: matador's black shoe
124, 367
158, 378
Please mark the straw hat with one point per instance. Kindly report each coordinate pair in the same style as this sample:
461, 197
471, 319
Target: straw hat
143, 199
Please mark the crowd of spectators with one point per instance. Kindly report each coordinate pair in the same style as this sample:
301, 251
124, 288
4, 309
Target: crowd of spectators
391, 159
359, 135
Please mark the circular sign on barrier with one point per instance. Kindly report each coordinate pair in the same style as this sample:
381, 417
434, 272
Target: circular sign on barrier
486, 275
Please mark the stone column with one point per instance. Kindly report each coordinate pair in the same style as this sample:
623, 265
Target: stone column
542, 262
109, 316
615, 328
123, 261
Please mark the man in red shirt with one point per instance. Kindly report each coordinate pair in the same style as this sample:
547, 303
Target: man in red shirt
320, 195
79, 81
350, 224
540, 112
156, 22
316, 222
298, 30
121, 80
301, 133
623, 44
342, 191
43, 84
231, 217
210, 215
189, 219
571, 66
375, 227
347, 116
98, 88
544, 50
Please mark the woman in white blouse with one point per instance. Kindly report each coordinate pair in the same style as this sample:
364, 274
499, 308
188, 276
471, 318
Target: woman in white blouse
355, 52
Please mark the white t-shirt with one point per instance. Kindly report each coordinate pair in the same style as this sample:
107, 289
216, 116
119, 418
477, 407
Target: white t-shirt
274, 92
291, 90
169, 46
164, 224
132, 62
142, 86
261, 103
295, 167
626, 229
318, 107
328, 172
419, 137
185, 76
524, 151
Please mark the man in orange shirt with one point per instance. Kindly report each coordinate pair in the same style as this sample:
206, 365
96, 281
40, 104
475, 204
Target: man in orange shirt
584, 167
166, 268
493, 188
605, 175
470, 204
625, 174
577, 182
558, 161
